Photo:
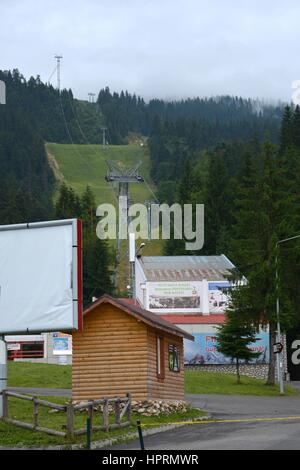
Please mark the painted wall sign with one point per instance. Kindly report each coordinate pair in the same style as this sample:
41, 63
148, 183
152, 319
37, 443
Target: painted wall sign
204, 350
218, 296
174, 296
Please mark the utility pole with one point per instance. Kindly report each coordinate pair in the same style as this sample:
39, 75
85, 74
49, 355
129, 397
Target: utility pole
91, 97
58, 58
103, 129
148, 204
279, 355
132, 263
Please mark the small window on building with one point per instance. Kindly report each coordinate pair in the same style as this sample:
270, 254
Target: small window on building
174, 358
160, 357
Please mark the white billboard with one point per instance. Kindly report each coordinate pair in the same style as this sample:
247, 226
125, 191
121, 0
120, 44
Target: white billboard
40, 277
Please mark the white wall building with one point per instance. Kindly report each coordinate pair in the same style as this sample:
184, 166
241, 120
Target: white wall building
183, 284
191, 292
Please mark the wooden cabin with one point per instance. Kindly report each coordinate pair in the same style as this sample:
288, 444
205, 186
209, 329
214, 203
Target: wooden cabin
124, 348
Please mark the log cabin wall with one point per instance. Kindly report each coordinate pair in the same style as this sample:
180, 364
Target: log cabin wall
110, 356
171, 387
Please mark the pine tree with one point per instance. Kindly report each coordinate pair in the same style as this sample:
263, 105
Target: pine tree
88, 210
96, 268
68, 203
286, 132
186, 190
296, 127
261, 218
96, 255
216, 202
234, 338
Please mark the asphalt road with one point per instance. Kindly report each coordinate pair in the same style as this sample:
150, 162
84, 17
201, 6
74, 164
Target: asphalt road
225, 436
276, 433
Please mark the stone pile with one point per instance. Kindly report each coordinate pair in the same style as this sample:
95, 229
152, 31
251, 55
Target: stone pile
157, 407
148, 407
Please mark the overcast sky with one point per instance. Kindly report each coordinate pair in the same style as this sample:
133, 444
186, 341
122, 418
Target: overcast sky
157, 48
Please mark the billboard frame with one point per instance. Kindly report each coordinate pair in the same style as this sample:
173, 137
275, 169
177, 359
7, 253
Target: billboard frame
76, 270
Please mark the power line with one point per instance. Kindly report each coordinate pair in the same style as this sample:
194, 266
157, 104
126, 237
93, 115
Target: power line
48, 81
149, 189
85, 137
70, 136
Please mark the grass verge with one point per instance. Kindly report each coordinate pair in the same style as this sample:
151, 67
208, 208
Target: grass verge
56, 376
26, 374
13, 436
197, 382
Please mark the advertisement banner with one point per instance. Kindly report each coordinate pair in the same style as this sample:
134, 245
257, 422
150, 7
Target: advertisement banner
204, 350
175, 296
218, 296
13, 347
62, 344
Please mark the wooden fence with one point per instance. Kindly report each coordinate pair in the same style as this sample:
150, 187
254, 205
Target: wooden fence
121, 408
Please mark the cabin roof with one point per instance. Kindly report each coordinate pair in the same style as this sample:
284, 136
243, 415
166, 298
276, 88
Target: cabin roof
149, 318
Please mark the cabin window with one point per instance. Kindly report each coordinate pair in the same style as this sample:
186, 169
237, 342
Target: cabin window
174, 358
160, 359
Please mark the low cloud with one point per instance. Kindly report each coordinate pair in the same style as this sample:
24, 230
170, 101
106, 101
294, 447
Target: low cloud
168, 49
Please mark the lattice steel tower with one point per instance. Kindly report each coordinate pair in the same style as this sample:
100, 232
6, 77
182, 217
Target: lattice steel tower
121, 178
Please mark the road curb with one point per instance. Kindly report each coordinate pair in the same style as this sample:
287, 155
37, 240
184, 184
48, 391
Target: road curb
147, 432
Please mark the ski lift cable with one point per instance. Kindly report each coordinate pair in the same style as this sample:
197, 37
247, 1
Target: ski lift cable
83, 134
55, 68
70, 136
150, 190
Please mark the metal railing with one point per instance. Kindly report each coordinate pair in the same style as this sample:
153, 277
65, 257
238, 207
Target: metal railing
23, 354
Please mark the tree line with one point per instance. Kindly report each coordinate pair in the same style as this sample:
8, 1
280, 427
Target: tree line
96, 254
27, 185
196, 123
251, 194
55, 115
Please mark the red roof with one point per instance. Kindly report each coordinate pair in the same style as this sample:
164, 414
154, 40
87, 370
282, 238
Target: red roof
195, 319
129, 300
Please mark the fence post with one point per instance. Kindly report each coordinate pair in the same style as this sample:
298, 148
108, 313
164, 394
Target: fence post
35, 412
70, 420
140, 432
91, 414
128, 411
4, 404
105, 414
88, 432
117, 411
